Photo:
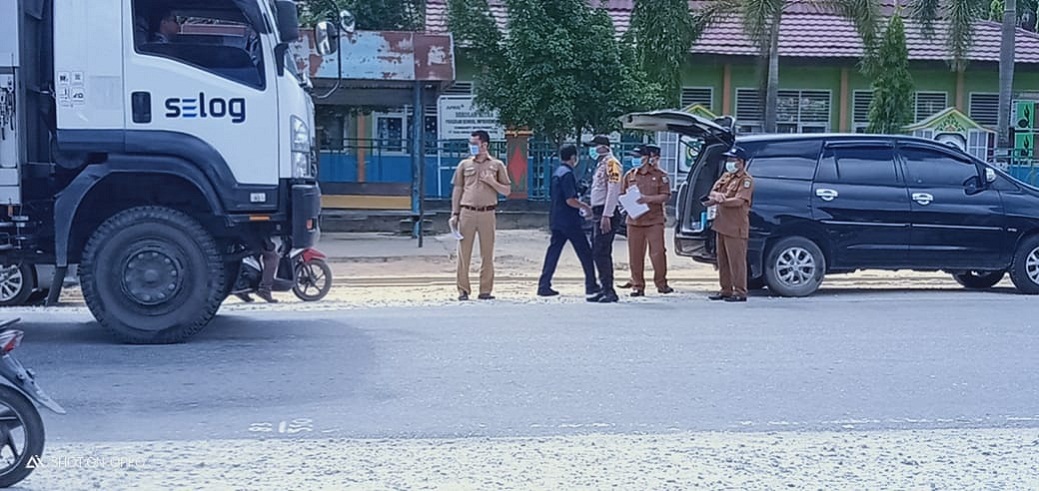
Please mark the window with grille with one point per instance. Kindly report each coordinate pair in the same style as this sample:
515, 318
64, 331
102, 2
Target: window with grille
697, 95
984, 109
930, 103
803, 111
459, 88
860, 101
749, 110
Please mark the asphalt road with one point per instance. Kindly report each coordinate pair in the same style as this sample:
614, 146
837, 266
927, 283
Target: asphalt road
839, 360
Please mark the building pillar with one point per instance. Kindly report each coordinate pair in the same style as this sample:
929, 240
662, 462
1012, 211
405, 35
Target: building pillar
960, 92
843, 122
517, 149
726, 91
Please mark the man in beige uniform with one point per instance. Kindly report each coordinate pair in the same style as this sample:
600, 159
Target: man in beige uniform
733, 193
478, 181
648, 229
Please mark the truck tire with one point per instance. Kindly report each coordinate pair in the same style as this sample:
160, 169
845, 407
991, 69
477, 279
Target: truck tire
152, 275
17, 284
795, 267
1024, 271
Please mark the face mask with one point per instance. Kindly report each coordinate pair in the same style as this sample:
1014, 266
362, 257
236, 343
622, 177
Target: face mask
593, 153
474, 150
730, 166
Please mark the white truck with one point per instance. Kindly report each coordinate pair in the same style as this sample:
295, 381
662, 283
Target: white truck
152, 144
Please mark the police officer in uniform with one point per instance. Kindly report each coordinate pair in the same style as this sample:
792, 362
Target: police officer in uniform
733, 194
606, 185
648, 229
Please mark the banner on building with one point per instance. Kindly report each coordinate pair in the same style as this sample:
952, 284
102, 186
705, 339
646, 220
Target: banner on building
458, 117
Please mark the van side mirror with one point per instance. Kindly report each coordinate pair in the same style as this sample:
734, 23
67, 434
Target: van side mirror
973, 185
325, 38
288, 21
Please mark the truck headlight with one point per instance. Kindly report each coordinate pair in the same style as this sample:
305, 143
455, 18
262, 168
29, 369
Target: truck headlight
301, 147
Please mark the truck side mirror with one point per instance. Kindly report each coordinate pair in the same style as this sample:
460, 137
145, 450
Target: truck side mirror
325, 38
347, 21
288, 21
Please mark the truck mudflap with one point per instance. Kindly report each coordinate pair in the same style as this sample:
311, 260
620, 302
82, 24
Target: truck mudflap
306, 211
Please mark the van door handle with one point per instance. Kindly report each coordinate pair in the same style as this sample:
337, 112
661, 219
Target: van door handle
826, 194
923, 198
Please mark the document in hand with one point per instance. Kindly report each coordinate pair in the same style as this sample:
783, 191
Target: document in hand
455, 233
630, 202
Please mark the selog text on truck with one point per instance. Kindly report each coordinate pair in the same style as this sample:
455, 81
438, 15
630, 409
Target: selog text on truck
152, 164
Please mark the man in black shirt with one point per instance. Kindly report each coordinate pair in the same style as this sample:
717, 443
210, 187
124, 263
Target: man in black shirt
566, 225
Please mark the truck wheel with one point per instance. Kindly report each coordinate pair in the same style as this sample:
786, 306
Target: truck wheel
979, 280
795, 267
17, 283
1024, 271
152, 275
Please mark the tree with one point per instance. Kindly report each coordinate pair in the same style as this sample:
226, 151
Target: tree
1006, 73
371, 15
761, 20
661, 34
892, 106
559, 70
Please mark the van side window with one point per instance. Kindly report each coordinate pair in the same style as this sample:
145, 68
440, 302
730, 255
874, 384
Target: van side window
216, 38
926, 167
870, 165
786, 160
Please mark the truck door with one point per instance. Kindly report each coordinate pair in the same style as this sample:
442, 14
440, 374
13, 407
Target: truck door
201, 79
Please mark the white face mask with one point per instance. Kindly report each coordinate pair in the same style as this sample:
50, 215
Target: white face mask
730, 166
474, 150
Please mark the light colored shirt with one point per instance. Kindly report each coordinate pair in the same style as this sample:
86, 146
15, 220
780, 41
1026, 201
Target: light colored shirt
606, 184
474, 192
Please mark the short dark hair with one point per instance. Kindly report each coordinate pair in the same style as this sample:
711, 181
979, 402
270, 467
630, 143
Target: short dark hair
567, 152
482, 135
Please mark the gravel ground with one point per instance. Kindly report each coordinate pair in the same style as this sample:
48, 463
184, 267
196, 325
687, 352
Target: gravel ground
902, 460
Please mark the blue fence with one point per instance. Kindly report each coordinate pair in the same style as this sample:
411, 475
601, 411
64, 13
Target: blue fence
388, 161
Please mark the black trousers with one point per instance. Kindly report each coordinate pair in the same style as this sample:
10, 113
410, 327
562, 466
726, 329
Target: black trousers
602, 247
577, 238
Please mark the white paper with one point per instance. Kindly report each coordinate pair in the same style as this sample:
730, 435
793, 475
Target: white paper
630, 202
454, 231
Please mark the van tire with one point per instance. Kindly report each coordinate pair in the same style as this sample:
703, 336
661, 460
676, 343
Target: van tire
979, 280
152, 275
18, 286
1024, 270
787, 265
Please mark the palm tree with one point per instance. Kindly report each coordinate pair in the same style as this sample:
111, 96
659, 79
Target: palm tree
1006, 72
761, 20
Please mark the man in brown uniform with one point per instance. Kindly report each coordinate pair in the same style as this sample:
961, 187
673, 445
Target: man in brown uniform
648, 228
733, 193
478, 181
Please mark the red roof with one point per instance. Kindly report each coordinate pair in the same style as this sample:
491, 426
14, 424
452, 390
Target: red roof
804, 33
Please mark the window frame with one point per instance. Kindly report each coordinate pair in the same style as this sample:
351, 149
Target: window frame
406, 116
262, 68
860, 125
954, 156
829, 163
916, 103
710, 97
970, 107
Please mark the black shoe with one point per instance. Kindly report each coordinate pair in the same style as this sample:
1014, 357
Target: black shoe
486, 296
245, 297
266, 296
547, 293
609, 297
626, 286
736, 299
666, 290
463, 297
638, 293
719, 296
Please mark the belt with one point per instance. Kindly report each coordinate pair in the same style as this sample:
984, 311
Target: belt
480, 208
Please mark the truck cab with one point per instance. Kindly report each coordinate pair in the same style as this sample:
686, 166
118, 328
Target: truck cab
154, 144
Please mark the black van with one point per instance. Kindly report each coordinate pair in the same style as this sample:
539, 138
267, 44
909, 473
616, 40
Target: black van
829, 204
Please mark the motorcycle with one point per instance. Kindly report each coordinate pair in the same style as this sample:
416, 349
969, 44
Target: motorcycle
303, 271
19, 418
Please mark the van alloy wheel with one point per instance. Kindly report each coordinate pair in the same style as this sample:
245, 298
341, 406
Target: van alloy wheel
795, 266
1032, 265
1024, 270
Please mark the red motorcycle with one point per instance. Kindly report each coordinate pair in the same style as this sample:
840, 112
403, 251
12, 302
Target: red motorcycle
304, 271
